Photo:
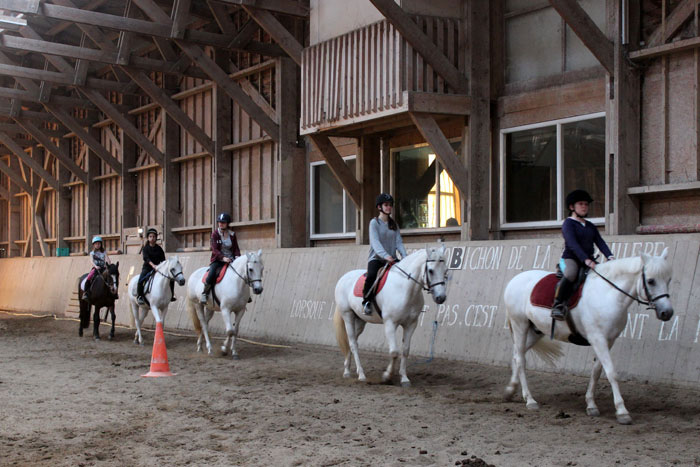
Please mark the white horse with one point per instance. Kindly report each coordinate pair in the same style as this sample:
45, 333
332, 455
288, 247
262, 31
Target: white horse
600, 317
159, 295
401, 302
233, 292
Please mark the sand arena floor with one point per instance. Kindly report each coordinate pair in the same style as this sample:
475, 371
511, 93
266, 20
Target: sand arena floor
73, 401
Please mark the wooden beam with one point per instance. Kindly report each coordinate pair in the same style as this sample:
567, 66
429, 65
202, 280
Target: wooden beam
289, 7
428, 127
338, 166
180, 18
26, 158
222, 17
83, 135
666, 49
672, 23
159, 96
4, 193
422, 44
15, 176
123, 122
230, 87
586, 30
62, 26
277, 31
28, 96
62, 156
12, 23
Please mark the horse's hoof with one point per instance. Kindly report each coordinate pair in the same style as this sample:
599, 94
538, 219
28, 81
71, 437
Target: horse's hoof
508, 394
346, 375
362, 378
593, 412
80, 332
97, 338
224, 350
111, 337
236, 357
405, 384
624, 419
533, 406
386, 377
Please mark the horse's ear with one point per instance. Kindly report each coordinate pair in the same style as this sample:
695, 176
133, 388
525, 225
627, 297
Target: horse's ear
260, 253
117, 264
645, 258
664, 254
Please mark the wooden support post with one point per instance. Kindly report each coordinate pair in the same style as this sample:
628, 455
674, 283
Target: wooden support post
172, 211
222, 195
623, 126
13, 218
129, 156
63, 200
92, 195
368, 168
478, 156
292, 220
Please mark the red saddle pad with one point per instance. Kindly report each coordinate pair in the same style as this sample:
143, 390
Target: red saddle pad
221, 275
543, 293
360, 284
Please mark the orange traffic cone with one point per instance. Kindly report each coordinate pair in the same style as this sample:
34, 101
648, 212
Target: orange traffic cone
159, 358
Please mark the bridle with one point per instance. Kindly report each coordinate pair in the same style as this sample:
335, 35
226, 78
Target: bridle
172, 276
650, 301
426, 284
247, 280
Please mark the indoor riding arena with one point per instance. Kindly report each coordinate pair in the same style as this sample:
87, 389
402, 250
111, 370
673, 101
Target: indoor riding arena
291, 117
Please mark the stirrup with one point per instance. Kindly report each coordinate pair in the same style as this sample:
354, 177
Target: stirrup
204, 298
367, 308
173, 299
559, 312
140, 300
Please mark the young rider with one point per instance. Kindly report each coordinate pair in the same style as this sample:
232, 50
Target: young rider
385, 241
224, 249
579, 237
99, 260
153, 255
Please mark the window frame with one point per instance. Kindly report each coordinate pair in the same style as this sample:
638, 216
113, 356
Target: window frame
598, 221
346, 202
392, 184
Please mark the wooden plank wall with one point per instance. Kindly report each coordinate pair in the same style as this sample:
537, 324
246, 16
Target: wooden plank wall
76, 241
4, 218
149, 192
110, 188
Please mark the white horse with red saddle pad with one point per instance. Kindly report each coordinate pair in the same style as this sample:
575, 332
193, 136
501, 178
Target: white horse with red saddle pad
599, 317
232, 292
400, 301
159, 295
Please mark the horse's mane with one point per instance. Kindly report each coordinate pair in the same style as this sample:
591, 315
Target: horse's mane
656, 266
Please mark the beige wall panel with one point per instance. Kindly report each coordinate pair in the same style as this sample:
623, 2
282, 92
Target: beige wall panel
681, 124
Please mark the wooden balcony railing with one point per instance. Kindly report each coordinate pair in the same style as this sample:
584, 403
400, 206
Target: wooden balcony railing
368, 73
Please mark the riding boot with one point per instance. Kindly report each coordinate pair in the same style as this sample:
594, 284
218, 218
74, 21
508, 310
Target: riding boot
561, 299
86, 292
205, 294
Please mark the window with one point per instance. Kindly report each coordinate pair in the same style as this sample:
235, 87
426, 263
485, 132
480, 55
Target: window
541, 163
333, 213
425, 194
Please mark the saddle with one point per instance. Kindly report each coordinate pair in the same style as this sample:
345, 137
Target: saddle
543, 293
221, 275
379, 283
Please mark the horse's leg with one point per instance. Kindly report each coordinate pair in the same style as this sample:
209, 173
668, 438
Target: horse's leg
352, 339
114, 318
591, 407
236, 326
602, 350
520, 332
407, 335
135, 313
226, 315
390, 332
96, 324
142, 316
204, 318
156, 314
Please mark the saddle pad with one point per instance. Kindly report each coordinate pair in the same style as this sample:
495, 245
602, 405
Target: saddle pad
360, 284
543, 292
221, 275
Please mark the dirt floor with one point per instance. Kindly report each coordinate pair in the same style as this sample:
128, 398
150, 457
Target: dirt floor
66, 400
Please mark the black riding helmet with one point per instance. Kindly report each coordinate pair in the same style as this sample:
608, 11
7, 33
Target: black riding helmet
151, 231
384, 198
224, 217
576, 196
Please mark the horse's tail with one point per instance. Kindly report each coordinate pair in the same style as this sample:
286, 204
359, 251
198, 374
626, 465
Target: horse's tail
548, 350
340, 334
193, 315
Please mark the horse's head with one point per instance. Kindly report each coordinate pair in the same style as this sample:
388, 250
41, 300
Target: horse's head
654, 284
111, 277
254, 271
436, 273
175, 270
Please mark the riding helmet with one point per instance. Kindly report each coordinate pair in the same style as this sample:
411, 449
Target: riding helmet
96, 238
151, 231
224, 217
576, 196
384, 198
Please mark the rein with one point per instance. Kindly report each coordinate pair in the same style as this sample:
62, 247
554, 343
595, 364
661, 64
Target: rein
246, 279
650, 302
